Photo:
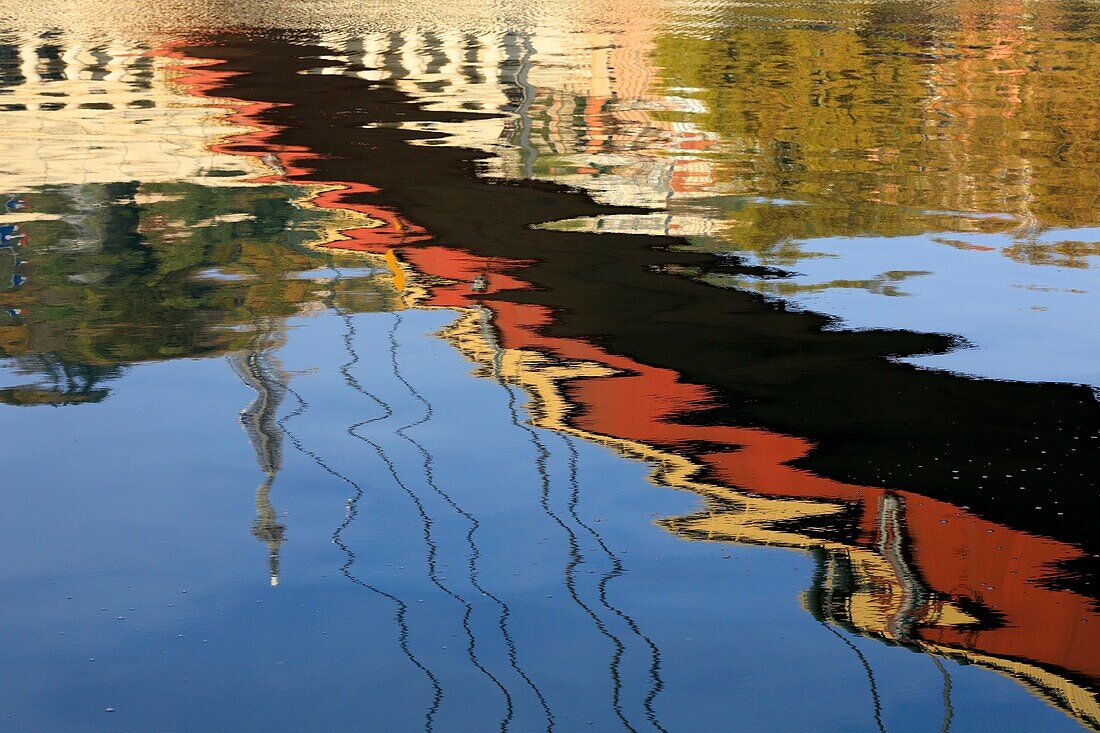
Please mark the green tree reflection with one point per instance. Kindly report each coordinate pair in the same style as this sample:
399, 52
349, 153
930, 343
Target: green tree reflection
126, 273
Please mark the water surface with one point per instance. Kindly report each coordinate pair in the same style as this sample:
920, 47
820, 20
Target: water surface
690, 367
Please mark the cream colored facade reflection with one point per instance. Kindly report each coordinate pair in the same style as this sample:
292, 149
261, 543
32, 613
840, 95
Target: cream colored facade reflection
590, 102
82, 111
584, 115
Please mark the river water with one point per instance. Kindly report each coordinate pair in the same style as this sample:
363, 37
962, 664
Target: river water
670, 366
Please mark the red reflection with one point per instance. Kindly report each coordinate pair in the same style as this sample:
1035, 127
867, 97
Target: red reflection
291, 162
959, 555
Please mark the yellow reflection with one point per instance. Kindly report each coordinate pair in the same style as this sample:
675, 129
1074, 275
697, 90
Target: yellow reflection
880, 596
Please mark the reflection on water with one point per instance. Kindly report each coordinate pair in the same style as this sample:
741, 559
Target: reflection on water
261, 373
352, 218
118, 274
789, 144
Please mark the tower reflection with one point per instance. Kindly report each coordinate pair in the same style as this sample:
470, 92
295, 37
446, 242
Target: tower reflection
261, 372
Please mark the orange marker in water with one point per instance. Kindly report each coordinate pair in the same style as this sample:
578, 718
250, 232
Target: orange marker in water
398, 273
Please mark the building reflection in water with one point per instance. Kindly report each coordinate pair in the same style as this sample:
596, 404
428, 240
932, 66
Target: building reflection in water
876, 556
870, 549
758, 141
259, 369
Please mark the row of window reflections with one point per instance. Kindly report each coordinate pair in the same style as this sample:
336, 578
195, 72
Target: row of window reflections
47, 62
52, 106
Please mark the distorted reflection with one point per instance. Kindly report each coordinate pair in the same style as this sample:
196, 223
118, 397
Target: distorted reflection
706, 241
261, 372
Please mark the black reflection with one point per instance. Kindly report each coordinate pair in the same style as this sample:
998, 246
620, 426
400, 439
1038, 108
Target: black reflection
876, 420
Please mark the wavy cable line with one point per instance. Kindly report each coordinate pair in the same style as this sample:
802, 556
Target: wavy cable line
575, 559
875, 700
575, 554
513, 653
617, 570
867, 669
948, 708
426, 520
350, 515
505, 610
473, 523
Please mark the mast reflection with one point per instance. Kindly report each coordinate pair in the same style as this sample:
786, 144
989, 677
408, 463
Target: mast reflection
261, 372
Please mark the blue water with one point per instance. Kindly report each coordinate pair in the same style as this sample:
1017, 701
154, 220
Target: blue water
140, 508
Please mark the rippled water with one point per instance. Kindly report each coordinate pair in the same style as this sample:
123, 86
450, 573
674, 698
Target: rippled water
674, 366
